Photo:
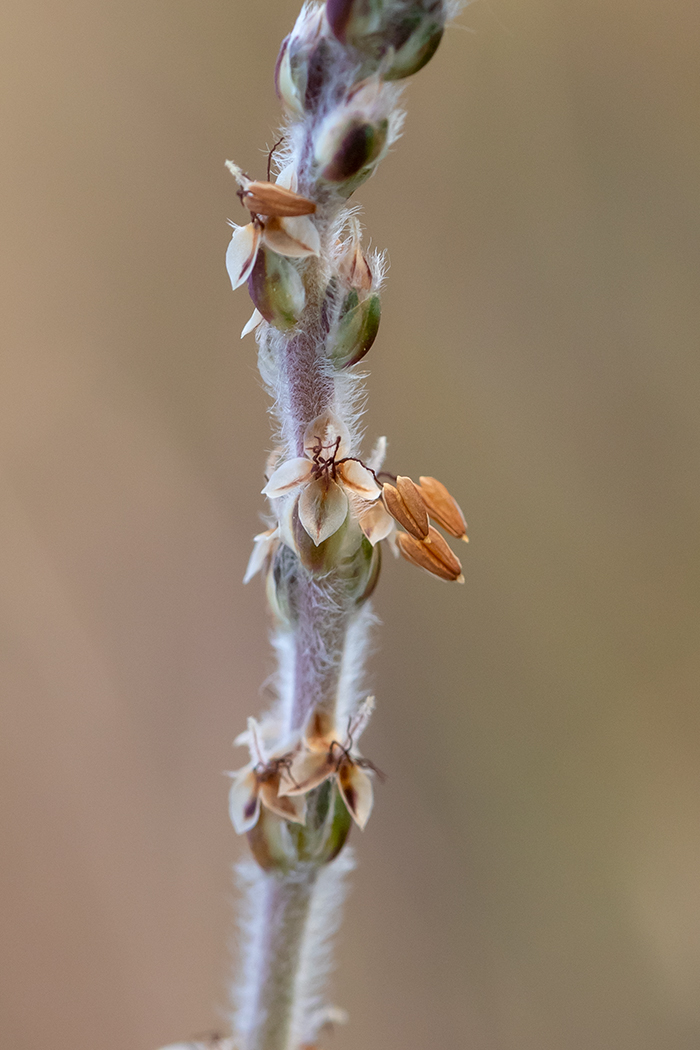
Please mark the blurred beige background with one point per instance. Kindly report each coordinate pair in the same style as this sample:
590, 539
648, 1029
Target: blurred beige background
531, 877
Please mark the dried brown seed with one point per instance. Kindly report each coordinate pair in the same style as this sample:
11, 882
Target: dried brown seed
443, 508
267, 198
434, 556
405, 503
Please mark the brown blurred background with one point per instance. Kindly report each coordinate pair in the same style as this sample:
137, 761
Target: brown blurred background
531, 877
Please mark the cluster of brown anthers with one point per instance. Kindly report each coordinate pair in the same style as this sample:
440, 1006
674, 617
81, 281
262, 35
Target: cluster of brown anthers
412, 506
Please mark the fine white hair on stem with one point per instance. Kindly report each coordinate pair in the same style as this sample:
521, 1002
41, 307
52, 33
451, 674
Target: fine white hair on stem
283, 679
318, 896
352, 668
272, 925
316, 959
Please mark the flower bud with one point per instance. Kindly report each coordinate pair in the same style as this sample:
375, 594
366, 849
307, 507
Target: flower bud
318, 559
443, 508
420, 45
347, 147
279, 845
432, 554
405, 503
276, 288
303, 62
281, 586
398, 35
286, 84
356, 329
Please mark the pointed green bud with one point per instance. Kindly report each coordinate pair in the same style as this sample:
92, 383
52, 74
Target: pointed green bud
356, 329
276, 288
420, 46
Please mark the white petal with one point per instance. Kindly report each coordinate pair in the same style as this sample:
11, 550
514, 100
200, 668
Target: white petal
294, 235
263, 545
376, 522
293, 809
325, 430
377, 455
285, 513
358, 479
289, 476
356, 788
241, 252
287, 178
255, 318
323, 507
308, 770
244, 801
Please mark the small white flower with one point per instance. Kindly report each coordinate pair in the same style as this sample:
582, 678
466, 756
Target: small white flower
325, 754
258, 784
325, 476
295, 236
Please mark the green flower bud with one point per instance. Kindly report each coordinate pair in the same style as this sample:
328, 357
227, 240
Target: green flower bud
404, 32
328, 823
280, 845
356, 329
419, 47
281, 586
276, 288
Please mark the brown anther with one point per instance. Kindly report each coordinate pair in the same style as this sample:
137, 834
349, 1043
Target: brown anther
443, 508
405, 503
267, 198
433, 556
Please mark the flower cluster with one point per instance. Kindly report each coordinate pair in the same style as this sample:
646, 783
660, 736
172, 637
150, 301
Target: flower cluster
326, 486
281, 781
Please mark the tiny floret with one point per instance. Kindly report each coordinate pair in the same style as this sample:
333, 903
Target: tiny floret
324, 478
328, 753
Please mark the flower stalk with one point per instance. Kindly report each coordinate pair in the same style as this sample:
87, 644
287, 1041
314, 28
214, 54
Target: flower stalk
316, 293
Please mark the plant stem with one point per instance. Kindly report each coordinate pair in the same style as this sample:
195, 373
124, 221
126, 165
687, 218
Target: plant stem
284, 905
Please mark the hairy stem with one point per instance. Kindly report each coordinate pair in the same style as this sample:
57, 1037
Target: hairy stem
319, 645
283, 908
